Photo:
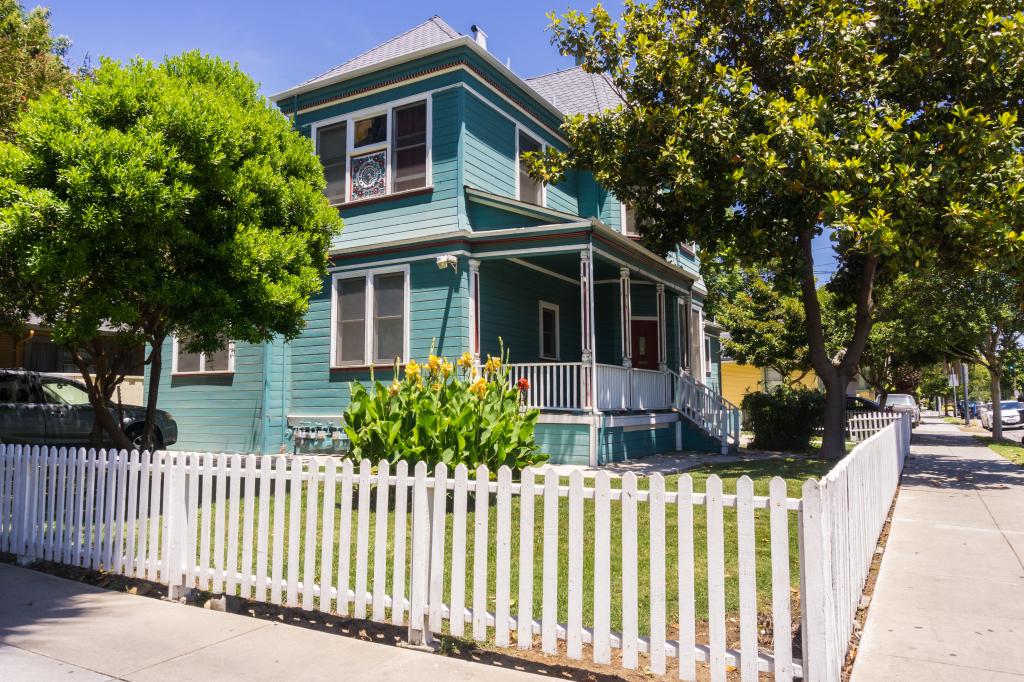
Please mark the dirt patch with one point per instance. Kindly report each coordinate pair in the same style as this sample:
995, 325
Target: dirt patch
869, 589
532, 660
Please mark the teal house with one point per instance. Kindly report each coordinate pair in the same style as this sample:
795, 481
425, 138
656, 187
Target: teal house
449, 244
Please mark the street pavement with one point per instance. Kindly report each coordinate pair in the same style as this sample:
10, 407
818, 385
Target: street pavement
949, 600
55, 629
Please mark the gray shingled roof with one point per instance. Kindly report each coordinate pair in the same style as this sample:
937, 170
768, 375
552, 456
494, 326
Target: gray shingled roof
433, 31
574, 91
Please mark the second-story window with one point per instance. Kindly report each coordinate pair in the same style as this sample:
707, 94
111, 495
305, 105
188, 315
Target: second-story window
377, 153
530, 190
330, 144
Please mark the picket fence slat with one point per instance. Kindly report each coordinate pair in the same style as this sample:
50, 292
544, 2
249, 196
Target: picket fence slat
457, 621
630, 602
187, 518
503, 555
480, 532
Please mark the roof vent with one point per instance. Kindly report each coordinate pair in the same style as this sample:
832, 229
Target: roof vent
479, 36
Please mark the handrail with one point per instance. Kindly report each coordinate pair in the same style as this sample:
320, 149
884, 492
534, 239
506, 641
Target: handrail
708, 409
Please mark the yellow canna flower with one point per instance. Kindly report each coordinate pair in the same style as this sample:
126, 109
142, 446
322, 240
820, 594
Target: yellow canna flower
446, 369
479, 387
435, 387
433, 364
466, 361
394, 387
492, 365
412, 371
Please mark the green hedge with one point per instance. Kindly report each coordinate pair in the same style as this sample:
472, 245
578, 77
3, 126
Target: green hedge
783, 419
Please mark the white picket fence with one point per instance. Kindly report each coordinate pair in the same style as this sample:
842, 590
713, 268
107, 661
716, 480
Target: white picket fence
297, 532
862, 425
842, 517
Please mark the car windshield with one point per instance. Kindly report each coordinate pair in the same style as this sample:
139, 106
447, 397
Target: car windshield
1010, 405
899, 399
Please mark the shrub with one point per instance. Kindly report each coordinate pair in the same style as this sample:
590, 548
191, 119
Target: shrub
442, 413
783, 418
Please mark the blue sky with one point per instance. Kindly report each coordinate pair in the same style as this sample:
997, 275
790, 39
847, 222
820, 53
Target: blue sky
282, 44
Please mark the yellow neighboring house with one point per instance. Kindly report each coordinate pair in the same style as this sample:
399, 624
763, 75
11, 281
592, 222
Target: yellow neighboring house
739, 380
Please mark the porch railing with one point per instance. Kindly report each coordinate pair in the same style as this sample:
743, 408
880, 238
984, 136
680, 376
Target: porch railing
553, 385
708, 409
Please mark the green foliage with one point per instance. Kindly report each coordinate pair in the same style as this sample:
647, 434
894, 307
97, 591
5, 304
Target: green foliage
442, 414
31, 61
753, 127
783, 419
160, 199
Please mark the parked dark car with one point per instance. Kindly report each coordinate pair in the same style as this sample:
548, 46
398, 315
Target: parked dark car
854, 403
38, 409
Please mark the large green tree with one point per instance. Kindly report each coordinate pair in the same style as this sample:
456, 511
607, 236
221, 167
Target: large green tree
751, 127
31, 60
158, 200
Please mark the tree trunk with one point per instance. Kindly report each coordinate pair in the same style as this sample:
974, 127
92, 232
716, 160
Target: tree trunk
155, 365
835, 374
997, 410
95, 385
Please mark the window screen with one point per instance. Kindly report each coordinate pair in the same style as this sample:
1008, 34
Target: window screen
409, 165
389, 316
351, 333
330, 146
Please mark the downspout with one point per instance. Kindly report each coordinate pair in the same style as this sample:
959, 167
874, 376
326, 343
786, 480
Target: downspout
264, 411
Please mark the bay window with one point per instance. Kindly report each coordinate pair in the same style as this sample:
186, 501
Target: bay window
370, 310
377, 153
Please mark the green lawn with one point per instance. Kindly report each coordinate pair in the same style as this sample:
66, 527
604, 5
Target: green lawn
1009, 449
793, 470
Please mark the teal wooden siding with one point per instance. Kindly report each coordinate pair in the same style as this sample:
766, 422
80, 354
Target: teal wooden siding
509, 309
219, 412
490, 149
643, 299
714, 378
482, 218
608, 323
619, 443
564, 443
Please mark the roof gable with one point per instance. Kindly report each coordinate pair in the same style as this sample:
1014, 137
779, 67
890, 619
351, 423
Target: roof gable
433, 31
574, 91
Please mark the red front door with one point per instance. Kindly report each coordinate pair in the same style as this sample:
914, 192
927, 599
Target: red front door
645, 344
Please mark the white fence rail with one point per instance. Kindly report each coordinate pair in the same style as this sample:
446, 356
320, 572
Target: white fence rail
474, 556
862, 425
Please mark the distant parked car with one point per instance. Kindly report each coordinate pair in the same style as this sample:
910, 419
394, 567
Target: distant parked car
854, 403
1011, 414
44, 409
904, 402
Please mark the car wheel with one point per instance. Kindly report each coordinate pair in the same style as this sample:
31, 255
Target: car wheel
134, 433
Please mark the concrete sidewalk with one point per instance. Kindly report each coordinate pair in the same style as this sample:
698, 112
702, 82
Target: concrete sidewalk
55, 629
949, 601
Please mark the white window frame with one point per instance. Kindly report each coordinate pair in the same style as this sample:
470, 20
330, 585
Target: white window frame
515, 165
388, 109
553, 307
368, 333
202, 361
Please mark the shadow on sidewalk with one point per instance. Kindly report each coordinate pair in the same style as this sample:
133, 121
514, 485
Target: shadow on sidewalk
957, 471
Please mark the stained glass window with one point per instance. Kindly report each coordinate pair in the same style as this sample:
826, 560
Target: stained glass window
369, 175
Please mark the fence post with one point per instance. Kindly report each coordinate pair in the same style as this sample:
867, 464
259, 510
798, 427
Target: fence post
814, 581
177, 524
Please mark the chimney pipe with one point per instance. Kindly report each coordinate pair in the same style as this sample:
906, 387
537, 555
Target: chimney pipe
479, 36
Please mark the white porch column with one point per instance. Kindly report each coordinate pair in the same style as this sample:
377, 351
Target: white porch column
474, 309
626, 305
587, 333
662, 336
